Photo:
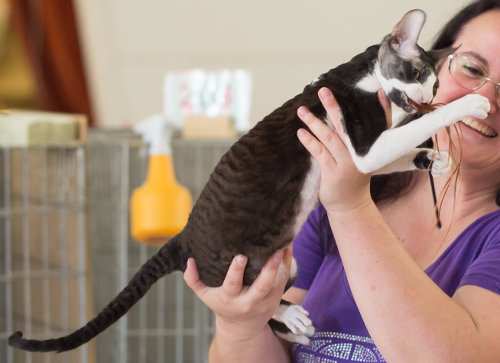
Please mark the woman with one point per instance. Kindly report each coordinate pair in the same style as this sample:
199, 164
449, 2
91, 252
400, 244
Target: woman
395, 286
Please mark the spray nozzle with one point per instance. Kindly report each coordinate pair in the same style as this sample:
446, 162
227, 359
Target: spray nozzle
156, 130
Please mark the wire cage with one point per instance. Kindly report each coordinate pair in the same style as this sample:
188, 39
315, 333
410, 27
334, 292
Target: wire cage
43, 249
66, 251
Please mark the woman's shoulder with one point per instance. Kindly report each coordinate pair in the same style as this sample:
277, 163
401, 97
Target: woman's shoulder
482, 249
486, 228
319, 212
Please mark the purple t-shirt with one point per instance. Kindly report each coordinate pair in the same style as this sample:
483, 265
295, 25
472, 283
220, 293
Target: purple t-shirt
341, 336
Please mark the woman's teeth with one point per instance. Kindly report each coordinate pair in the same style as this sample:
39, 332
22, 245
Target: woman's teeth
479, 127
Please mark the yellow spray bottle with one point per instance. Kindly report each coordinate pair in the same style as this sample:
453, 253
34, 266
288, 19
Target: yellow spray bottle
159, 209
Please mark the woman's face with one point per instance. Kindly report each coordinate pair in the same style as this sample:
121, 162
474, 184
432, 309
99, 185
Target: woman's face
481, 38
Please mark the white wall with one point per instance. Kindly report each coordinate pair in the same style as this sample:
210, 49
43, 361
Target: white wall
129, 45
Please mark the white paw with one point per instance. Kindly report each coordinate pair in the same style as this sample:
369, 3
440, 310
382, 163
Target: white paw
471, 105
295, 318
441, 163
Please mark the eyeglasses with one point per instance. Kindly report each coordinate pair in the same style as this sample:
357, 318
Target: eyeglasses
470, 72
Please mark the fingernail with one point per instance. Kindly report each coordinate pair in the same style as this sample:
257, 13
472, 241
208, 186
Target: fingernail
189, 263
240, 259
278, 257
301, 111
324, 93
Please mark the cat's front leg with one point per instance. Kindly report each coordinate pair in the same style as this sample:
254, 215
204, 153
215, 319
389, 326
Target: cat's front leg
394, 143
438, 162
471, 105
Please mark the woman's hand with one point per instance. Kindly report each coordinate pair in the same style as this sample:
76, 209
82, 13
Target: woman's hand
242, 312
343, 187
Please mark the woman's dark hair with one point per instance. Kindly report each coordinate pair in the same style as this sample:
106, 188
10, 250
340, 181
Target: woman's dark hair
391, 186
450, 31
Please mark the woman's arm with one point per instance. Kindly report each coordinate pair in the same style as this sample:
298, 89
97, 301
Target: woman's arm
241, 314
409, 317
263, 347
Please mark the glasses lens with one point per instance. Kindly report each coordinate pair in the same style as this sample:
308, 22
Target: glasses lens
468, 71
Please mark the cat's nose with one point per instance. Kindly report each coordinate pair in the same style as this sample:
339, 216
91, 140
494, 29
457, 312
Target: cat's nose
491, 91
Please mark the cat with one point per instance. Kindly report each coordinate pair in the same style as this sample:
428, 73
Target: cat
263, 188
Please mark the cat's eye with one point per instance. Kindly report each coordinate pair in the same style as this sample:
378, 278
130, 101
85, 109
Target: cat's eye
416, 74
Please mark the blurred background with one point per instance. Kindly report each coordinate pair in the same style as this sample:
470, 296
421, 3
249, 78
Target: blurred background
109, 58
76, 78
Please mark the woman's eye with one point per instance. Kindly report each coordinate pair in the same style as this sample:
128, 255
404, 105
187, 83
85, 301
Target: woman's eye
472, 71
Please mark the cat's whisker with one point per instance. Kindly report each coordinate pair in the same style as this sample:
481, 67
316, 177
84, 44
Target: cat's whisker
425, 107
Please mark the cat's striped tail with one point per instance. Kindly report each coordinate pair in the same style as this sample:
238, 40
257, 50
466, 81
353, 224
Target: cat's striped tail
168, 259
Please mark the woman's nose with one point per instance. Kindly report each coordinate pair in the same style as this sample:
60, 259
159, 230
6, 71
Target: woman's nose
492, 92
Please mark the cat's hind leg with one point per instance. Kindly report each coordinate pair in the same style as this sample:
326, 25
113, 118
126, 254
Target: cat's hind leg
291, 323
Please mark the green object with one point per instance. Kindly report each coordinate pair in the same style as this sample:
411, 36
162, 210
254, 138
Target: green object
23, 128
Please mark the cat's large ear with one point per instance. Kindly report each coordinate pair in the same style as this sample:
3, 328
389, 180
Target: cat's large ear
406, 32
438, 55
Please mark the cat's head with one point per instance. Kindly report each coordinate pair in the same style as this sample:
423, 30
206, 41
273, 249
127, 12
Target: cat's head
406, 72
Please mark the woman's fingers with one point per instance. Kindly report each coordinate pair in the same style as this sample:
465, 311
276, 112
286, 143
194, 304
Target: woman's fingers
333, 111
318, 128
233, 283
193, 279
325, 150
267, 279
333, 140
315, 148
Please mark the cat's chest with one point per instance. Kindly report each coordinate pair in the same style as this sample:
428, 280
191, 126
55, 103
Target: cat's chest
308, 195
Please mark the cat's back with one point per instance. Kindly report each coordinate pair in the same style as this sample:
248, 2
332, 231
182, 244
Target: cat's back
346, 75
